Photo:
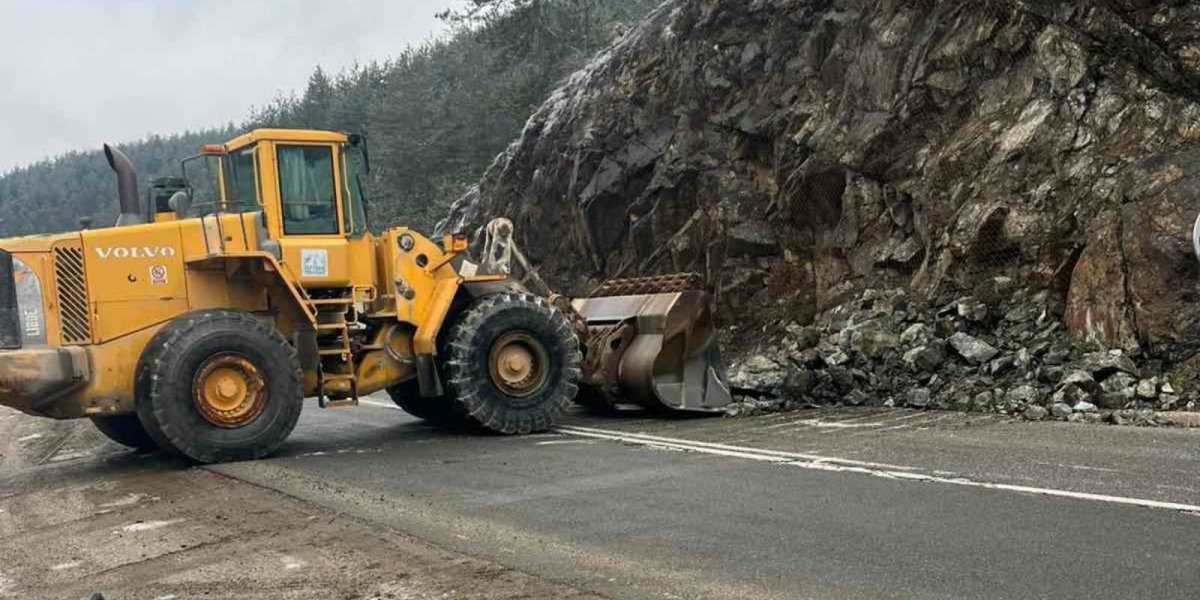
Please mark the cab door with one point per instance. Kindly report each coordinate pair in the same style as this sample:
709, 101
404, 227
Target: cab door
309, 224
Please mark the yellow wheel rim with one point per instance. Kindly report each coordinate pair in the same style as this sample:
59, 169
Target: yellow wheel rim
518, 364
229, 391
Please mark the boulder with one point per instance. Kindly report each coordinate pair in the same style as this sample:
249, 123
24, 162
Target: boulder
1081, 379
925, 359
919, 397
1022, 394
917, 333
972, 310
873, 343
758, 375
1117, 390
1147, 389
973, 349
805, 337
1035, 413
1103, 364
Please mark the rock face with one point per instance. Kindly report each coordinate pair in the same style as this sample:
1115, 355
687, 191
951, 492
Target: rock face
799, 152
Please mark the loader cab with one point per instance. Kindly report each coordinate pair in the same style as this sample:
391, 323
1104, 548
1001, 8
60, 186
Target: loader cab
306, 185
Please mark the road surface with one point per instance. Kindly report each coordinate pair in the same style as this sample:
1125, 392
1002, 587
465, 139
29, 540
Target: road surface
831, 503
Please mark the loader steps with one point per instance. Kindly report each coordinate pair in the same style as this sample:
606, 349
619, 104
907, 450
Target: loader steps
335, 357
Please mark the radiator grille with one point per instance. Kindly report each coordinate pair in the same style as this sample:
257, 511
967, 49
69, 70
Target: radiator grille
71, 288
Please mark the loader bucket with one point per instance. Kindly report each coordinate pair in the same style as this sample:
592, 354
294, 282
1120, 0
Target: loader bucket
651, 341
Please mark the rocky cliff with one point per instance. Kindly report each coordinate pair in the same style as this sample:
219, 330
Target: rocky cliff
1022, 173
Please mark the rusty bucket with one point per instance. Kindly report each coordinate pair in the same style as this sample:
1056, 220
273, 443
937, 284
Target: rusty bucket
651, 341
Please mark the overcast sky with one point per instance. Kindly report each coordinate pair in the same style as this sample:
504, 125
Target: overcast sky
76, 73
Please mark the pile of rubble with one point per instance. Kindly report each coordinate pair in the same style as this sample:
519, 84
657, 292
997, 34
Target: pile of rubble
1011, 356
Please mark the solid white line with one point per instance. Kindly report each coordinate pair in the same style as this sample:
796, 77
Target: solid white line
841, 465
777, 455
821, 463
379, 404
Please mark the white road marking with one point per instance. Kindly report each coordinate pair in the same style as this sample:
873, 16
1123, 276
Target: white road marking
772, 455
128, 500
69, 456
377, 403
67, 565
823, 463
30, 437
1076, 467
149, 525
844, 465
291, 564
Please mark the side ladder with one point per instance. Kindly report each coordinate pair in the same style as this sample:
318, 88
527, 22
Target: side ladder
333, 349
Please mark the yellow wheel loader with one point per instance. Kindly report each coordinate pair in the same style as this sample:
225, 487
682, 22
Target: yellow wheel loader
220, 301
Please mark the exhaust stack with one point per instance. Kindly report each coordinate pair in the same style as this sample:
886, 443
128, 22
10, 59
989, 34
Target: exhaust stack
127, 188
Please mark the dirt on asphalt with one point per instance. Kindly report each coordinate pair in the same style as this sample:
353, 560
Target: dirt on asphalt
80, 515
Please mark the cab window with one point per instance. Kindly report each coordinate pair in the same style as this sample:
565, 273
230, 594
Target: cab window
355, 209
306, 189
243, 182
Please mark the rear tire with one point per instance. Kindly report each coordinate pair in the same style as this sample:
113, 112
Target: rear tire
511, 363
439, 411
126, 430
219, 386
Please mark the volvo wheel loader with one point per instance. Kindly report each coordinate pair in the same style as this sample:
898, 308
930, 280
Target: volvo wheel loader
218, 303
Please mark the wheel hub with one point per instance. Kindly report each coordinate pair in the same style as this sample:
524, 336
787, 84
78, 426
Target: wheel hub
518, 364
229, 391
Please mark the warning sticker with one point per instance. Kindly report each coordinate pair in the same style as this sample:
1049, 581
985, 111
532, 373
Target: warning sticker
314, 263
158, 275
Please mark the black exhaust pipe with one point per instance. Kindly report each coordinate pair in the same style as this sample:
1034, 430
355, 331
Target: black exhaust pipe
127, 187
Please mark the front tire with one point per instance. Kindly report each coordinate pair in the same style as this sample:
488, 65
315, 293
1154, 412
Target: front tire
511, 363
126, 430
219, 386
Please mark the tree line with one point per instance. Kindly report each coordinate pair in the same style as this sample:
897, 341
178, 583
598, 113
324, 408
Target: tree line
436, 115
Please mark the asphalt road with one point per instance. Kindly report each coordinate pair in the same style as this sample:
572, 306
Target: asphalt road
850, 504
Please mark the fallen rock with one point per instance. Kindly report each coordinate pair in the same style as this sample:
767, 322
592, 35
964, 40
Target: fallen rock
1060, 410
805, 337
1117, 390
973, 349
1103, 364
1147, 389
1180, 419
971, 310
1034, 413
1022, 394
917, 333
924, 358
919, 397
873, 343
758, 375
1084, 407
837, 359
1081, 379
